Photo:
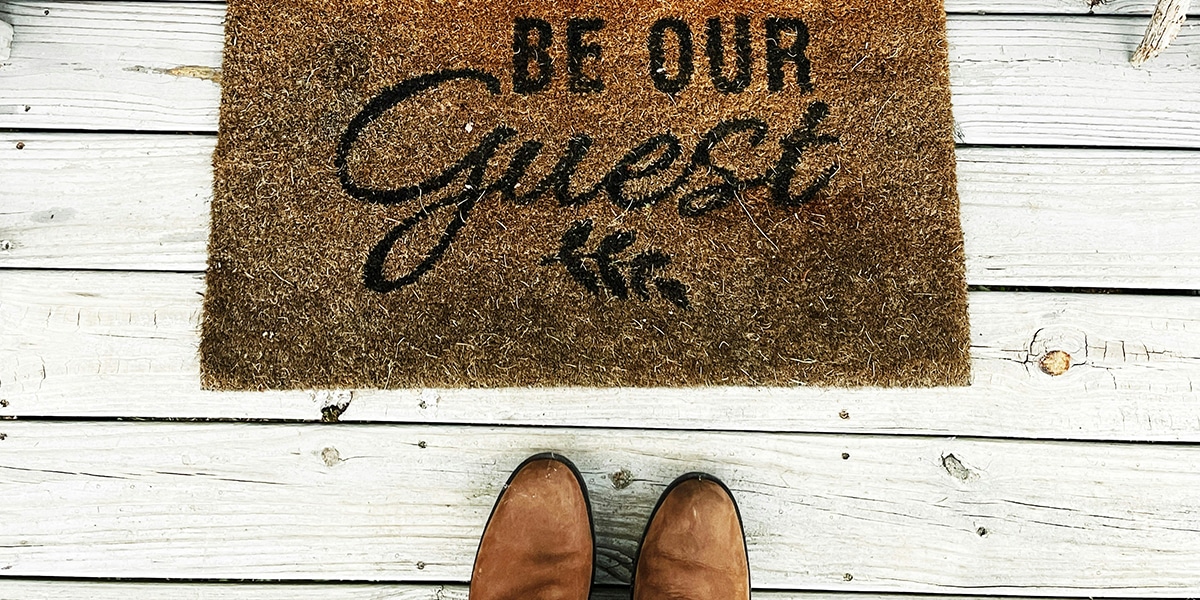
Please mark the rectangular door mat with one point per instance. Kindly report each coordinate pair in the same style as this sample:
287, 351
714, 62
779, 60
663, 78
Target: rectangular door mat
612, 193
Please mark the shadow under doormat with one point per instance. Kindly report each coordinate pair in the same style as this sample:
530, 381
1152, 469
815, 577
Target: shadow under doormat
614, 193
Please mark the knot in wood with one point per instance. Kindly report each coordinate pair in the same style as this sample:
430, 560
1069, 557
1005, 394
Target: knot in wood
1055, 363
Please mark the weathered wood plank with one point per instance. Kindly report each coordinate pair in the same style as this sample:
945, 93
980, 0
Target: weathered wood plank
1049, 7
1016, 79
124, 345
408, 503
1067, 81
1100, 218
1080, 218
113, 590
108, 65
1038, 7
99, 201
110, 590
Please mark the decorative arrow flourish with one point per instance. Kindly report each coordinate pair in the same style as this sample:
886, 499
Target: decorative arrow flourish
609, 274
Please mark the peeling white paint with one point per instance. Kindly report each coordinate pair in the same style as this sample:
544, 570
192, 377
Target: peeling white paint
6, 38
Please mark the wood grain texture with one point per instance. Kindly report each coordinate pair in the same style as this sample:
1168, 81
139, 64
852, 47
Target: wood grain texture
105, 65
100, 201
1050, 7
370, 502
1166, 23
1081, 218
1067, 81
1046, 80
112, 590
1078, 217
408, 503
124, 344
1038, 7
109, 590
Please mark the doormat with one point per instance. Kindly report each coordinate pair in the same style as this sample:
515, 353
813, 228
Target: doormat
444, 193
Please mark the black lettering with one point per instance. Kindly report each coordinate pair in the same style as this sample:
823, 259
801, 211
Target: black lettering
463, 203
380, 104
517, 166
525, 52
578, 52
475, 163
658, 59
777, 54
715, 49
652, 157
559, 179
794, 145
721, 194
623, 172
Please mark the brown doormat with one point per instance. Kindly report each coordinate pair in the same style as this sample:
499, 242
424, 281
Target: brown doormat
614, 193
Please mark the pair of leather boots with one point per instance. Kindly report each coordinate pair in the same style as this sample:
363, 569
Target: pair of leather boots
539, 543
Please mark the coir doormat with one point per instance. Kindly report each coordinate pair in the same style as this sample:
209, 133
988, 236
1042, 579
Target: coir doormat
553, 192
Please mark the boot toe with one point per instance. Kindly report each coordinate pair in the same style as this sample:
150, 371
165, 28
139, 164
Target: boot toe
694, 546
538, 543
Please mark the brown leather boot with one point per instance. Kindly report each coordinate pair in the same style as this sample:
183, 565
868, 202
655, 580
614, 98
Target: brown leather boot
694, 547
539, 542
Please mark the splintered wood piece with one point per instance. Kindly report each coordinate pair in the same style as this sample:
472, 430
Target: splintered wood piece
1166, 23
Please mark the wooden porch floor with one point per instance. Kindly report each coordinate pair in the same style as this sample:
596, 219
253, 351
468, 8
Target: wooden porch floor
120, 478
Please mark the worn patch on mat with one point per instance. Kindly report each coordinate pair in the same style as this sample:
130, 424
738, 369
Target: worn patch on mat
552, 192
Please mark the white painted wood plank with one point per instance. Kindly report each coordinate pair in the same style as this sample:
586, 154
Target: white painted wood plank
1067, 81
1048, 7
112, 590
24, 589
408, 503
100, 65
1068, 218
1039, 7
124, 345
1016, 79
1081, 218
98, 201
